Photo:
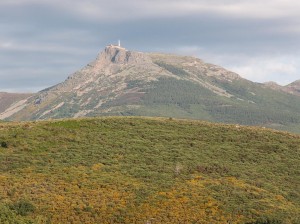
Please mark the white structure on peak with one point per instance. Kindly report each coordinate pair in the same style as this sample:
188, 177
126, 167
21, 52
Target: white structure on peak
116, 45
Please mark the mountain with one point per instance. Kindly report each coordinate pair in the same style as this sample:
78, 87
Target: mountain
142, 170
123, 82
9, 99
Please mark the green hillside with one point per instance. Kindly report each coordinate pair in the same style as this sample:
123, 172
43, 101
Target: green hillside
147, 170
252, 104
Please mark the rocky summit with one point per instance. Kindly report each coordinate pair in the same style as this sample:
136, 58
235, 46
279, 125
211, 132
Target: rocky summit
124, 82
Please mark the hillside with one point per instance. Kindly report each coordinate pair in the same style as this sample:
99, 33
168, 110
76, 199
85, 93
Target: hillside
8, 99
124, 82
147, 170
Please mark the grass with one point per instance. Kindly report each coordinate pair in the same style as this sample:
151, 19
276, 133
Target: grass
147, 170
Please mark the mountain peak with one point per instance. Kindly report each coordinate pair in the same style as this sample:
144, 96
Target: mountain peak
119, 55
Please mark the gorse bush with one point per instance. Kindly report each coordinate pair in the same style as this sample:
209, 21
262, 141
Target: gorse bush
139, 170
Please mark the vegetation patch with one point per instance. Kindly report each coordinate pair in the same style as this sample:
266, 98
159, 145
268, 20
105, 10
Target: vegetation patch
147, 170
22, 207
173, 69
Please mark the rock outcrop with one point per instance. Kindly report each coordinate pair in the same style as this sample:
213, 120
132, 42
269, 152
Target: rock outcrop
118, 55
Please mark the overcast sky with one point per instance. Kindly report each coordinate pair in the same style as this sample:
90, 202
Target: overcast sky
44, 41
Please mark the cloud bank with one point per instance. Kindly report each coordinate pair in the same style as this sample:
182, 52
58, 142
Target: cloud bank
43, 41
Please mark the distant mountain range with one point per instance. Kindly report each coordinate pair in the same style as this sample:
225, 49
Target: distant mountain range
123, 82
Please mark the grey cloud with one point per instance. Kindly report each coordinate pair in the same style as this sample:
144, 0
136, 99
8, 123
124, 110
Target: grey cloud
119, 9
283, 68
51, 39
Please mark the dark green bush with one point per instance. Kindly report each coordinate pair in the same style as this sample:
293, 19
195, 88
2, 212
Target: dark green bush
23, 207
4, 145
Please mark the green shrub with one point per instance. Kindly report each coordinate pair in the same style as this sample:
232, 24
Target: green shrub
23, 207
8, 216
4, 144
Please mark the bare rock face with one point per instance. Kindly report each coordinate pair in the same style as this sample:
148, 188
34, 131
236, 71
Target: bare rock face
118, 55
